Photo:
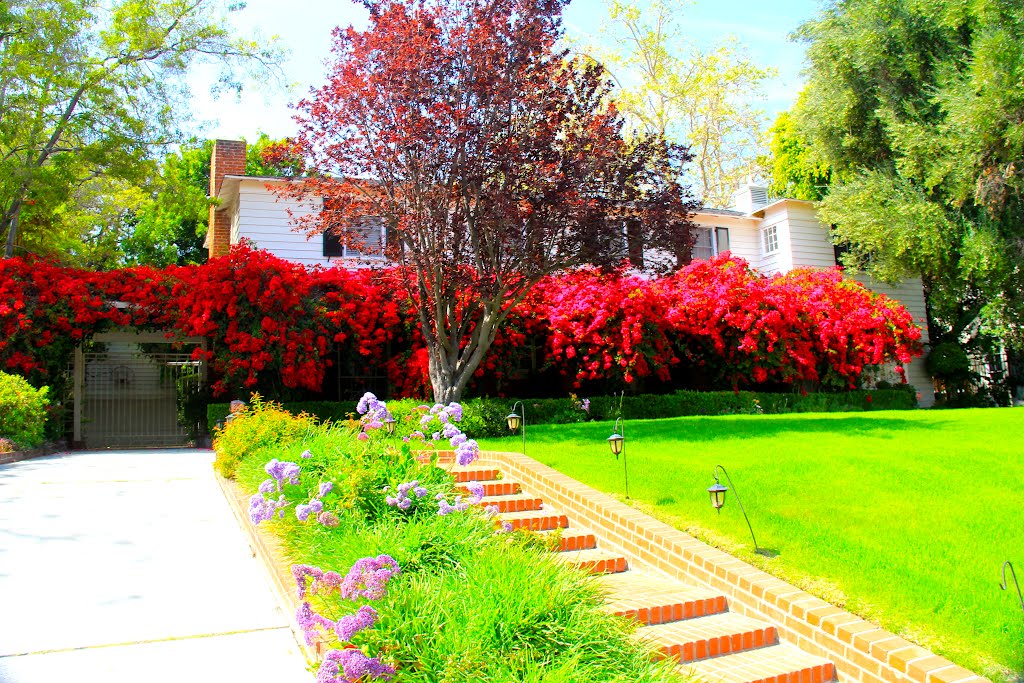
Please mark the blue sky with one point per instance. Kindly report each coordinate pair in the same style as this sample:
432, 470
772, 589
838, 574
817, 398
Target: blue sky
304, 27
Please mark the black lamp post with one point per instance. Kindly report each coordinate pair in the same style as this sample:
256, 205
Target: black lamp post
717, 493
617, 442
1004, 585
390, 423
515, 421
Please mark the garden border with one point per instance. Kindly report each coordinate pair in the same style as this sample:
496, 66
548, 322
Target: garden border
861, 651
31, 453
268, 553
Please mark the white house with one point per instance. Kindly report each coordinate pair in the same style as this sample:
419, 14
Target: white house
773, 235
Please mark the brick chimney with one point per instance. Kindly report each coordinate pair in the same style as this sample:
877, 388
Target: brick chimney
228, 159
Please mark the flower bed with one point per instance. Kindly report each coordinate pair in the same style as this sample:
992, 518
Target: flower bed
405, 577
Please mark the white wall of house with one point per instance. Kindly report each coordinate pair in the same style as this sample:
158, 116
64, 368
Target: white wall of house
743, 234
269, 220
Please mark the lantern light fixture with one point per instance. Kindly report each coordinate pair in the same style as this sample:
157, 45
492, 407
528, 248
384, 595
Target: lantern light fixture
717, 492
1006, 586
617, 444
390, 423
514, 421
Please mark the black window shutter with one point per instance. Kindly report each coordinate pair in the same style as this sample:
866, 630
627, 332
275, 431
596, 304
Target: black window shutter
332, 243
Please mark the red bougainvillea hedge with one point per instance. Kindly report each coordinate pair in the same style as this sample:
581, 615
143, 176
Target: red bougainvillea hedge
267, 318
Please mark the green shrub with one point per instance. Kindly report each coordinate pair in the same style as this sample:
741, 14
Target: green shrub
947, 362
23, 411
264, 424
485, 417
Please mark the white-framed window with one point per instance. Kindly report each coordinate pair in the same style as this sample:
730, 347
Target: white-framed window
362, 239
710, 242
770, 239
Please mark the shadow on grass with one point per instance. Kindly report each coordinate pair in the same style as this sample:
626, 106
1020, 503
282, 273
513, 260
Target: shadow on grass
697, 429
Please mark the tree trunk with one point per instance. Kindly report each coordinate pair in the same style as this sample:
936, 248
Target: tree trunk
450, 373
12, 217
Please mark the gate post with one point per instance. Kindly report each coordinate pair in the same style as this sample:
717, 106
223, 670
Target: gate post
79, 392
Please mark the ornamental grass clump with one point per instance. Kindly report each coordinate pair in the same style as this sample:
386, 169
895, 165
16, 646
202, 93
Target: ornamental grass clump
429, 596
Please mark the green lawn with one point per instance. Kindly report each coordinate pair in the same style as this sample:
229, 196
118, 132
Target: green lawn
902, 517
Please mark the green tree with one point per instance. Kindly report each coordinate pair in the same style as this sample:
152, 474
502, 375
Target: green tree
794, 170
90, 89
162, 219
702, 98
914, 108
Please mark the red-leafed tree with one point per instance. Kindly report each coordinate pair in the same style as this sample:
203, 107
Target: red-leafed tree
492, 157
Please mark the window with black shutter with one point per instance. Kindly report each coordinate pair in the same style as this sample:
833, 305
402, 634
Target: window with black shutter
332, 243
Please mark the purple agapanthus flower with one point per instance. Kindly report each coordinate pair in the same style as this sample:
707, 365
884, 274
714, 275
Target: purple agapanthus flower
268, 486
306, 454
308, 621
369, 403
352, 624
302, 512
477, 490
467, 452
325, 488
300, 572
369, 578
350, 664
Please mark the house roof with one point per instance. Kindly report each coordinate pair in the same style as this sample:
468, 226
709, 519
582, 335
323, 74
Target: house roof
721, 212
760, 213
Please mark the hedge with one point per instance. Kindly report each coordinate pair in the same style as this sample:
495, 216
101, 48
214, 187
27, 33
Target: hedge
23, 411
484, 417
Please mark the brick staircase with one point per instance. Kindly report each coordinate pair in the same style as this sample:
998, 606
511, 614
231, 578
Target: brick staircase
690, 623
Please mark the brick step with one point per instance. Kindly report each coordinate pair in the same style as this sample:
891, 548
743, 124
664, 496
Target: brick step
652, 609
535, 520
710, 636
595, 560
443, 457
575, 539
497, 488
778, 663
476, 473
653, 598
519, 502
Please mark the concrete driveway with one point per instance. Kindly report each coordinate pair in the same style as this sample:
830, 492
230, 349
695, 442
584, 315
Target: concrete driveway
129, 566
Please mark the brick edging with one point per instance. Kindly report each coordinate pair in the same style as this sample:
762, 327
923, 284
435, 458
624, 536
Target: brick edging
267, 551
860, 650
18, 456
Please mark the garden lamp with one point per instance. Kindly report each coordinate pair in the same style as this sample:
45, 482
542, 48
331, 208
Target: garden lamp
1005, 586
390, 423
617, 442
717, 493
515, 421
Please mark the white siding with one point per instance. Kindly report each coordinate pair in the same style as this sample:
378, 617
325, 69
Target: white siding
269, 221
264, 218
779, 261
743, 236
810, 242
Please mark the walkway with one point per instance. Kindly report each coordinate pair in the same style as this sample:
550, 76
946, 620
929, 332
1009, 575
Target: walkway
127, 566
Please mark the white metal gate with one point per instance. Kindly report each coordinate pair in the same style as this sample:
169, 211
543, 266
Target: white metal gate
132, 396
